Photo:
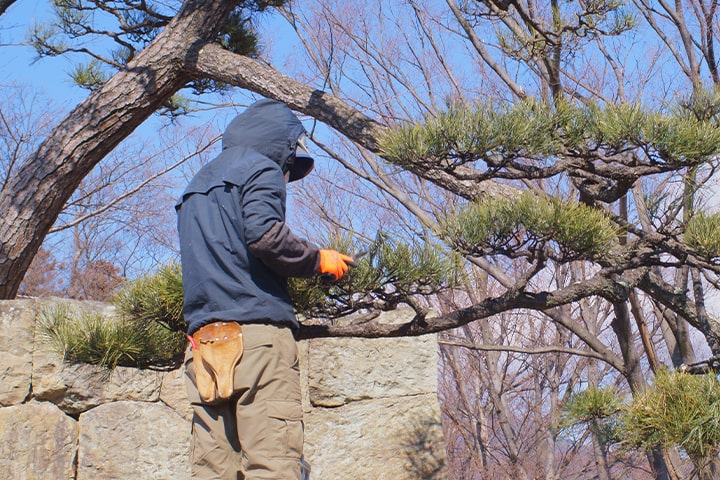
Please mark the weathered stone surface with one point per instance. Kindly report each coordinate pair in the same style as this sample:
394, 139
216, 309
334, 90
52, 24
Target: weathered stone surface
341, 370
76, 306
388, 439
37, 441
173, 394
130, 439
15, 374
78, 388
303, 359
136, 422
133, 384
17, 329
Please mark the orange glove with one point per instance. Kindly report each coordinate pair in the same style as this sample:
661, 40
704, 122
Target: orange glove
334, 264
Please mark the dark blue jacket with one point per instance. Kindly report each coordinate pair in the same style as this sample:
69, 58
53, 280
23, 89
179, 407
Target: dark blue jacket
236, 251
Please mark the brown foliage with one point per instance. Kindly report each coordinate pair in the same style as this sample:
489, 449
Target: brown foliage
43, 278
97, 281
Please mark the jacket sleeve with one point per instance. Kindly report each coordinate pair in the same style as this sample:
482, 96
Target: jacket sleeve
263, 201
285, 253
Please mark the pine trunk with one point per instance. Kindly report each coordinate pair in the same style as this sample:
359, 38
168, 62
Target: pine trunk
34, 197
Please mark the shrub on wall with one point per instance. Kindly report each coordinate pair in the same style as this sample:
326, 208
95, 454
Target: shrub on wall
91, 337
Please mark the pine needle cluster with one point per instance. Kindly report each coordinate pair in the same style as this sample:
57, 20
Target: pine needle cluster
148, 332
83, 337
702, 233
496, 133
522, 226
465, 133
598, 407
389, 273
157, 297
679, 409
591, 403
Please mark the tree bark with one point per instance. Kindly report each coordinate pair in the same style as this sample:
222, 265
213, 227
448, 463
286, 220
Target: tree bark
34, 196
600, 451
598, 285
4, 5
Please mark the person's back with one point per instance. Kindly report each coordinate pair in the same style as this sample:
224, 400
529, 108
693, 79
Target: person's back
236, 254
230, 204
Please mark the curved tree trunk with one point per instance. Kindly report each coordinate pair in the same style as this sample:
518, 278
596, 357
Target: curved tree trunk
4, 5
33, 198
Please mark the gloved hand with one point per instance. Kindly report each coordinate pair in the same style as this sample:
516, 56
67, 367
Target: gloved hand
334, 264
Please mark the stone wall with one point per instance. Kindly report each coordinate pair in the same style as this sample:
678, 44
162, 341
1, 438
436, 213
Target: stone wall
371, 410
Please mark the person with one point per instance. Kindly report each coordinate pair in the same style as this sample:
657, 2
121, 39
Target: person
236, 253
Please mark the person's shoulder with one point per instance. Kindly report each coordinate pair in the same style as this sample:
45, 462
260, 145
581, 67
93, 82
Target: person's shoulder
240, 166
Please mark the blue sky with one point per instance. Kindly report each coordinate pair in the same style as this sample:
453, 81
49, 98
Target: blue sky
17, 63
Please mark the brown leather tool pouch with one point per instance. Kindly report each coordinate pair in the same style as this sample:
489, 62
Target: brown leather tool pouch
217, 349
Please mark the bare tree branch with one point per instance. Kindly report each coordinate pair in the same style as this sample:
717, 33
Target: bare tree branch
524, 350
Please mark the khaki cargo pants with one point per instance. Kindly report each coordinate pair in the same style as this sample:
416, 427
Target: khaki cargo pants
258, 433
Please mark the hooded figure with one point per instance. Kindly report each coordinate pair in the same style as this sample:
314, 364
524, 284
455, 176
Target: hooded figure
236, 254
236, 250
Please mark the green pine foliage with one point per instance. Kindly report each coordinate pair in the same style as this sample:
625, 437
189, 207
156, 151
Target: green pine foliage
389, 273
702, 233
178, 105
464, 133
534, 130
82, 337
157, 297
598, 408
678, 409
90, 76
148, 332
238, 35
591, 403
520, 226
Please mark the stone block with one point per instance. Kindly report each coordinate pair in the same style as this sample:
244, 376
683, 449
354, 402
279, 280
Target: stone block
388, 439
129, 439
78, 388
173, 393
37, 442
341, 370
17, 330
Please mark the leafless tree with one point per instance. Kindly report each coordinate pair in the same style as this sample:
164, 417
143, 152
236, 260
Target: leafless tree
398, 60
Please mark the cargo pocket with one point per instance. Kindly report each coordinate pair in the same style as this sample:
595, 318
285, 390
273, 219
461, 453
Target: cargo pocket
286, 420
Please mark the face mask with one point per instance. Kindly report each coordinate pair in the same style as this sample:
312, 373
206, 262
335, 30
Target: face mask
300, 164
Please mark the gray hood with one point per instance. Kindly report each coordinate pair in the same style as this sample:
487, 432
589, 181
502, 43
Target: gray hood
272, 129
